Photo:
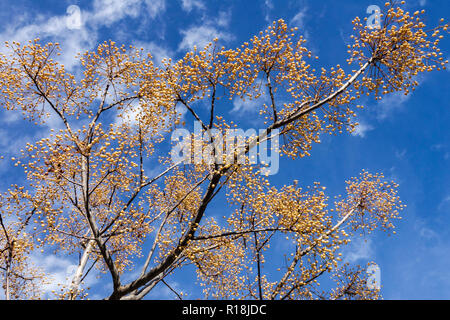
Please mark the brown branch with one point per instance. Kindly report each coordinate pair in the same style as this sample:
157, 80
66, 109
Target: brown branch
171, 289
272, 98
258, 265
233, 233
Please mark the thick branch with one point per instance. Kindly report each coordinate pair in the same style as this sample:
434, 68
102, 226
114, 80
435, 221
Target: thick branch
76, 280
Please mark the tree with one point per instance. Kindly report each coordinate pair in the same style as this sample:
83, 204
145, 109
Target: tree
89, 190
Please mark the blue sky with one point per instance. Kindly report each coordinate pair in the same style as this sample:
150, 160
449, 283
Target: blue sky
407, 138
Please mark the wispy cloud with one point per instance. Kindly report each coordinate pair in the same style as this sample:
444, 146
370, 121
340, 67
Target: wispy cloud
163, 292
299, 19
268, 7
189, 5
158, 52
224, 18
362, 129
55, 29
400, 154
60, 270
104, 13
390, 104
424, 231
200, 36
107, 12
442, 149
155, 7
359, 249
249, 105
445, 203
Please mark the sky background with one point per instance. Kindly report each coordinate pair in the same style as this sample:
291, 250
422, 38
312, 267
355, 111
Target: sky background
406, 138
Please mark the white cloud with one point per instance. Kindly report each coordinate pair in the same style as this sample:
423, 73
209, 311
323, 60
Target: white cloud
268, 7
299, 19
249, 105
400, 154
129, 116
359, 249
158, 52
390, 103
362, 129
11, 116
424, 231
428, 233
162, 292
201, 36
155, 7
105, 13
55, 29
11, 143
445, 203
224, 18
188, 5
60, 270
